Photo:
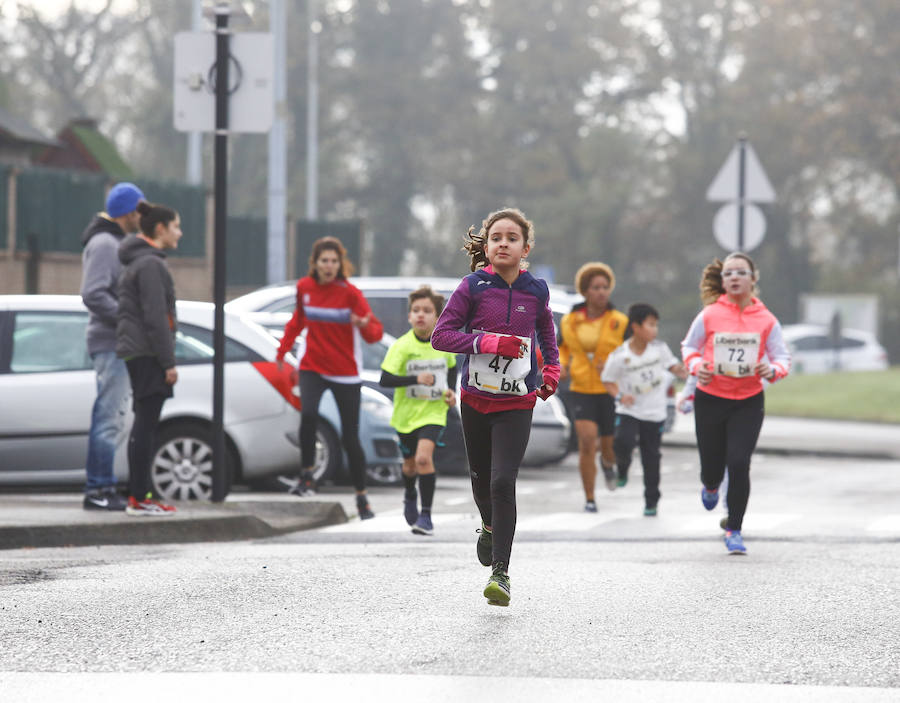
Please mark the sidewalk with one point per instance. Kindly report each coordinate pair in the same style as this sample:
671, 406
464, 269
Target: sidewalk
789, 435
59, 520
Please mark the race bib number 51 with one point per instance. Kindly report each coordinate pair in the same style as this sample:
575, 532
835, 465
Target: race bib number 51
502, 375
735, 353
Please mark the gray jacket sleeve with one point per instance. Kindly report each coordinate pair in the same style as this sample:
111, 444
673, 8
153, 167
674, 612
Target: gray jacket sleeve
152, 286
100, 270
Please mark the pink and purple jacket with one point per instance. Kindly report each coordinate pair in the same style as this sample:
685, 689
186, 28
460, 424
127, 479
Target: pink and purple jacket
484, 301
726, 317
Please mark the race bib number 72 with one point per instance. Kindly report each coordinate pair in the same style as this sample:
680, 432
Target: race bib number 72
735, 353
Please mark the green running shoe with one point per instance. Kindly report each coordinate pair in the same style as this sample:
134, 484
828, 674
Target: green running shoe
497, 589
621, 482
485, 546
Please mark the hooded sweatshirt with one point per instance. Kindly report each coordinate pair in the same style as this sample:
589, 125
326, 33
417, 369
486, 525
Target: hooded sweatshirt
732, 341
99, 276
146, 320
484, 303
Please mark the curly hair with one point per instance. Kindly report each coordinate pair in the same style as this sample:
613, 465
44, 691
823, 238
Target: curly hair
711, 281
332, 244
588, 271
475, 243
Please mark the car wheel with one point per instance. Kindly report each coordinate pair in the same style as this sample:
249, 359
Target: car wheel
183, 461
384, 475
328, 461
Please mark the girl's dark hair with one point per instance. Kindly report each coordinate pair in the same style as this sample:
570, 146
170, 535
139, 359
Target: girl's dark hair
152, 215
711, 286
474, 243
426, 292
637, 313
329, 244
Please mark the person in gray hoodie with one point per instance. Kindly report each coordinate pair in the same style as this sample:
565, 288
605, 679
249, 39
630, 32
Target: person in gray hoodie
145, 340
100, 273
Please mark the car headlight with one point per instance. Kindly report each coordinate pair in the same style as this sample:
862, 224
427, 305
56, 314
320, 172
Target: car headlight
374, 408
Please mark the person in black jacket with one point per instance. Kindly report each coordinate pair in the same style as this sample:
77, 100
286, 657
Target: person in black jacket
145, 339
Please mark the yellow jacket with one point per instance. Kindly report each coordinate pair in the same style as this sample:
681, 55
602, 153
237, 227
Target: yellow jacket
581, 363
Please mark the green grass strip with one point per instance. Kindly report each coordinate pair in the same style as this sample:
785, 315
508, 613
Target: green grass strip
871, 396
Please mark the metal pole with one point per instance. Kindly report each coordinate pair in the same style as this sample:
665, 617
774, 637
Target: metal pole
219, 487
195, 139
742, 187
276, 252
312, 112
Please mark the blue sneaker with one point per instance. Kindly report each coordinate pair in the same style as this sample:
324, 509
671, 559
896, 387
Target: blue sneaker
411, 509
590, 507
423, 525
710, 498
734, 543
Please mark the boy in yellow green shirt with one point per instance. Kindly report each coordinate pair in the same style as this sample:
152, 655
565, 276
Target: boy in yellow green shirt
423, 380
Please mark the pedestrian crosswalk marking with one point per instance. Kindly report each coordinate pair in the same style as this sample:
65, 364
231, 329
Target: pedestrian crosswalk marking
888, 523
667, 525
567, 522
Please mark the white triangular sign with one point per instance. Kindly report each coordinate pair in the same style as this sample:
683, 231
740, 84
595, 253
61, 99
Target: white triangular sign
726, 185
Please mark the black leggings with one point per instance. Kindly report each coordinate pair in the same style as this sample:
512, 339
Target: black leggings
727, 431
141, 443
629, 432
495, 445
347, 397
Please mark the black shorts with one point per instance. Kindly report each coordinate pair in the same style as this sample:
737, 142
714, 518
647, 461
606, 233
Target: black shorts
409, 442
148, 377
599, 408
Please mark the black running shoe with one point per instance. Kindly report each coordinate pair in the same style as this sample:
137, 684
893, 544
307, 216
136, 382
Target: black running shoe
362, 507
306, 486
497, 589
485, 546
104, 500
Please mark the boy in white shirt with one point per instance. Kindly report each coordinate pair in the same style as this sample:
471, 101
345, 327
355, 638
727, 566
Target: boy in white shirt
635, 374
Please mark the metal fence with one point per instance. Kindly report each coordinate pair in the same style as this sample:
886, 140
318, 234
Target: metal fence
55, 205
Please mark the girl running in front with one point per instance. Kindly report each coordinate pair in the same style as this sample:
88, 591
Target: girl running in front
733, 344
495, 317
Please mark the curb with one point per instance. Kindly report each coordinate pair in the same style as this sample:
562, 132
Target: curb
200, 523
880, 455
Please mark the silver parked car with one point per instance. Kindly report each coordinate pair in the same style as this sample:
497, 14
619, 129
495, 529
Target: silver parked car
273, 306
813, 350
47, 386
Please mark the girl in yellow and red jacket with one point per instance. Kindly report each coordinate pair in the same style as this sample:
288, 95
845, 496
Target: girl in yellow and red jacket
588, 334
337, 319
733, 344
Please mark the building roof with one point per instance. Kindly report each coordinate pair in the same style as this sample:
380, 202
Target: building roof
103, 152
19, 130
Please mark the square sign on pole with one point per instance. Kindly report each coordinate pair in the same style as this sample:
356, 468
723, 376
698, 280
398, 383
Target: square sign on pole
251, 72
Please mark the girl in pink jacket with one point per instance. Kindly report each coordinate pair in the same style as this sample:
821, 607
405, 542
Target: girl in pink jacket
733, 344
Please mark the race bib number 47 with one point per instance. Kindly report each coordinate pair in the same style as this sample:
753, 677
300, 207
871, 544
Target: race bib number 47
502, 375
735, 353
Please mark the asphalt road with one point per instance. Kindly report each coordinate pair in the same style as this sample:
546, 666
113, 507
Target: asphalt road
608, 604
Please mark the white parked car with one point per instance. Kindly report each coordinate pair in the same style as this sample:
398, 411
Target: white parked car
813, 350
47, 387
273, 306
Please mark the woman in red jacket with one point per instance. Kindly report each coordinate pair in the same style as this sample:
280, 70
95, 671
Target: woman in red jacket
733, 344
335, 314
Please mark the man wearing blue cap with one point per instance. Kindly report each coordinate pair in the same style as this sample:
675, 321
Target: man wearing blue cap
100, 274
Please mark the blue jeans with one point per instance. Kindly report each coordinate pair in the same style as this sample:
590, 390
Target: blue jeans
107, 419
